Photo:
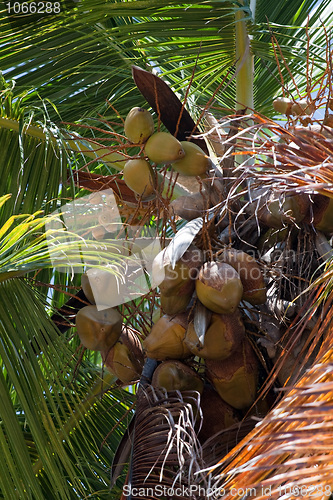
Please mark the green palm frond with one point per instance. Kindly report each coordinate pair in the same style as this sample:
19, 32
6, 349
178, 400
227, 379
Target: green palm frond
42, 404
89, 49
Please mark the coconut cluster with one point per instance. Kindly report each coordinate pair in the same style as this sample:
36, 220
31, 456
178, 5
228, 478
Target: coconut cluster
217, 288
102, 329
157, 149
218, 363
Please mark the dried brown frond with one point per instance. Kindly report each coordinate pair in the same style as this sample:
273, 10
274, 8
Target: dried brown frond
292, 447
166, 451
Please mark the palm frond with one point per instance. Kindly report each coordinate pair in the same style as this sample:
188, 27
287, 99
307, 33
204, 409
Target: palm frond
297, 455
94, 57
165, 451
59, 424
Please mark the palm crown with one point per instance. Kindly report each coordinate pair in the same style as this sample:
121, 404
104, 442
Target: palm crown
66, 84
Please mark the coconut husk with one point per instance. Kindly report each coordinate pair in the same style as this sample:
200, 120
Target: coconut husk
98, 329
222, 338
166, 339
219, 287
250, 273
236, 378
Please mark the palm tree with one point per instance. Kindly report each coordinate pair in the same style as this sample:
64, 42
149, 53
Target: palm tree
66, 85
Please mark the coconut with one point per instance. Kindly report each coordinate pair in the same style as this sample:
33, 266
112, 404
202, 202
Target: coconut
166, 339
173, 375
139, 176
86, 287
320, 214
139, 125
98, 330
236, 377
277, 213
283, 105
223, 336
179, 280
302, 107
163, 147
254, 289
190, 207
219, 287
174, 304
195, 161
125, 359
103, 287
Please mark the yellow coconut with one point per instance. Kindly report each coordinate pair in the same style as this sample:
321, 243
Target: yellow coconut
236, 377
166, 339
173, 375
174, 304
179, 280
139, 176
223, 337
139, 125
195, 161
163, 147
125, 359
254, 288
98, 330
219, 287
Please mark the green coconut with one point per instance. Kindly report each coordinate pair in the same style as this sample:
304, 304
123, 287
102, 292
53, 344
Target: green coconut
163, 147
139, 176
195, 161
139, 125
